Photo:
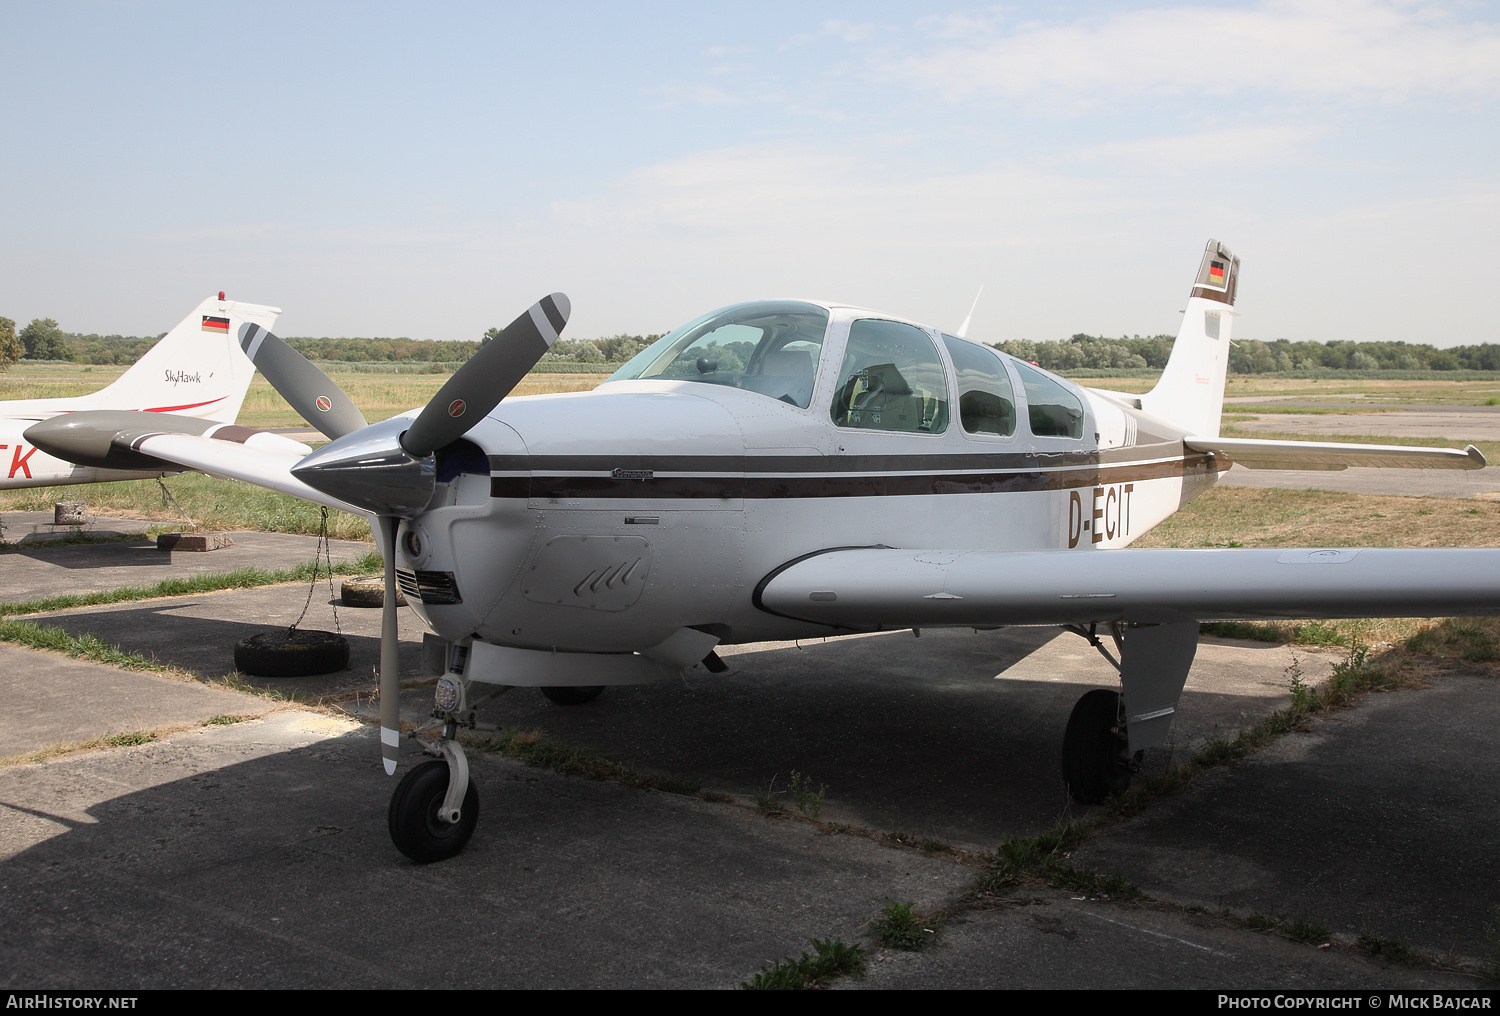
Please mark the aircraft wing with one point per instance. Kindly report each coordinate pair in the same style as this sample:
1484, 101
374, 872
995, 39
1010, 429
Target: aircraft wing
865, 589
270, 469
1331, 456
125, 439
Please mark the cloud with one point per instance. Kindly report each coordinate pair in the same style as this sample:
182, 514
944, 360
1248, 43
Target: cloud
1346, 49
848, 31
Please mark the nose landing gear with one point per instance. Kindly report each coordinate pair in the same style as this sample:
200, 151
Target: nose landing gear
418, 826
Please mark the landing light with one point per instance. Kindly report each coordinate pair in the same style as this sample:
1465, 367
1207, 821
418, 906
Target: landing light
447, 696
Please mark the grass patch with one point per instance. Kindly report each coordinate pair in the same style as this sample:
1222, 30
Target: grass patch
1045, 857
806, 800
212, 505
766, 801
82, 647
1393, 950
899, 926
225, 720
829, 960
534, 749
240, 578
1320, 518
129, 740
1304, 929
1471, 639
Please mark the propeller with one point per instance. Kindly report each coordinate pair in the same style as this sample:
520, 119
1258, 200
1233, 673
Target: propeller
306, 388
389, 468
478, 386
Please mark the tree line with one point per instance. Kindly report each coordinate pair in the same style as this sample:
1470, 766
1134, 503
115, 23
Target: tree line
1253, 356
43, 339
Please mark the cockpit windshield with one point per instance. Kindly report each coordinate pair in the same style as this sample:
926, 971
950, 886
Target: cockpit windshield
771, 347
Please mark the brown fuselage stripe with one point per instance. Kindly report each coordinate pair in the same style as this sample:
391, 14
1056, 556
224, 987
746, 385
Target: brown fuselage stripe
837, 485
822, 464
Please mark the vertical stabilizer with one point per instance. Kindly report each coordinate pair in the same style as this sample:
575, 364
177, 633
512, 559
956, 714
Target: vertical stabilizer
197, 369
1190, 393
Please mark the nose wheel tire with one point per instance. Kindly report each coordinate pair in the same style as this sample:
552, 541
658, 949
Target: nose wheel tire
415, 827
573, 696
1096, 759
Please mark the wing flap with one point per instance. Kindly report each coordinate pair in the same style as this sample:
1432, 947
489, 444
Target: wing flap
1332, 456
867, 589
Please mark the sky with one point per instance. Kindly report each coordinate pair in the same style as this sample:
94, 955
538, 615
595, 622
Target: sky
431, 169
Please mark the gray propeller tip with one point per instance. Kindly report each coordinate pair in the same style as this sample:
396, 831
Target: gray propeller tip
560, 300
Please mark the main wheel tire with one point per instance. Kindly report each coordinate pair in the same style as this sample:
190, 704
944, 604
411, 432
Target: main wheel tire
415, 827
572, 696
297, 654
1096, 761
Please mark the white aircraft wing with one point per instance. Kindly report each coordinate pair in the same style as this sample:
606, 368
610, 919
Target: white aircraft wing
884, 588
227, 460
1331, 456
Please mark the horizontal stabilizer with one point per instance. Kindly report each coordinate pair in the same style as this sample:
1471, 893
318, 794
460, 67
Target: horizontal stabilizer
866, 589
1332, 456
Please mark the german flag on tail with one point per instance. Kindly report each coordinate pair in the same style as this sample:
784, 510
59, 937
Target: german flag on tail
217, 325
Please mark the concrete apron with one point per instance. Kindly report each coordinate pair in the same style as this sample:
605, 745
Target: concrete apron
255, 855
245, 854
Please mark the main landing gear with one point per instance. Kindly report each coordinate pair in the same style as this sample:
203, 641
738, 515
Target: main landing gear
1096, 758
1109, 730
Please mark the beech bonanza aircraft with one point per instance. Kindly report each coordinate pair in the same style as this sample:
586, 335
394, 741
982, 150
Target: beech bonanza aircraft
787, 469
194, 378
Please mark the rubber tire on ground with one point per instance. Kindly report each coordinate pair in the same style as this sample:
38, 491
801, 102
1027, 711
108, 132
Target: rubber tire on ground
572, 696
1095, 762
300, 654
366, 591
415, 827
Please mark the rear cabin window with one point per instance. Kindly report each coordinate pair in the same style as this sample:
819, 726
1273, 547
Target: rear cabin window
1054, 411
986, 403
891, 380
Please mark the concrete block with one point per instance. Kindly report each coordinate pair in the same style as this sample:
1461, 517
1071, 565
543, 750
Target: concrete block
193, 541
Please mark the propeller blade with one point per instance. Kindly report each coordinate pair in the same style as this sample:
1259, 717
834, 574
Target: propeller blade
306, 388
478, 386
390, 655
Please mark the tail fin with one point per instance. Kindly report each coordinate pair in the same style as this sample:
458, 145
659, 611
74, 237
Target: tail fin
1190, 393
197, 369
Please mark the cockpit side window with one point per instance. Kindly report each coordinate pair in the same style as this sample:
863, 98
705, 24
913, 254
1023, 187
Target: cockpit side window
986, 404
891, 380
771, 347
1054, 411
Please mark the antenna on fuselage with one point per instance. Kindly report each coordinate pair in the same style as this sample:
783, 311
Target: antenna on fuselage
963, 329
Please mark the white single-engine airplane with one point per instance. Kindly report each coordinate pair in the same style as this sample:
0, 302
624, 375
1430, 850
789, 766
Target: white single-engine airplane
788, 469
194, 380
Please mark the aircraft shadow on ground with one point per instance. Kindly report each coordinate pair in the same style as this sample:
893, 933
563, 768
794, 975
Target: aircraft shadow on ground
205, 646
90, 556
277, 871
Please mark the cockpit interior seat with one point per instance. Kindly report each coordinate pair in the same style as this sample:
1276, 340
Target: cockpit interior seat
984, 412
